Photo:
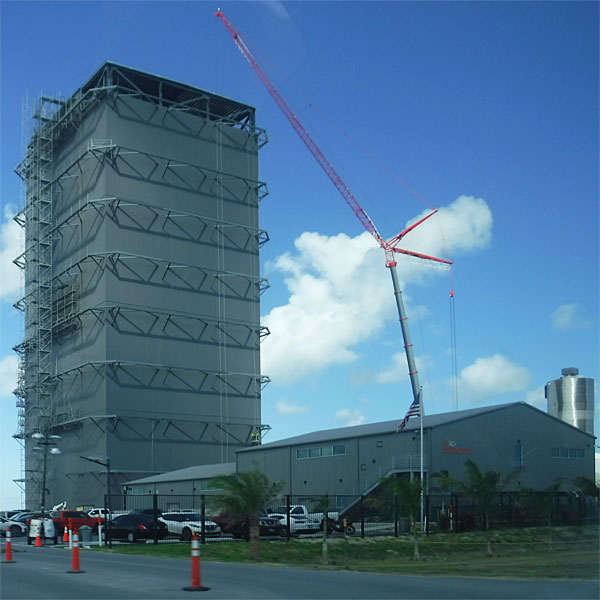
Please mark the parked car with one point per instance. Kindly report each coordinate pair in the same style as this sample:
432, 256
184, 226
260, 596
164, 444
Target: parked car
16, 528
185, 524
304, 521
99, 512
134, 527
73, 519
146, 511
11, 514
238, 527
48, 531
22, 517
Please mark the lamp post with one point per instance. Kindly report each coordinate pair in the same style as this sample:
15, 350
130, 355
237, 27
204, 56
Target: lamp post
46, 444
104, 461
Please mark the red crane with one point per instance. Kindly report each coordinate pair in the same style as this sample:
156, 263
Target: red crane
389, 247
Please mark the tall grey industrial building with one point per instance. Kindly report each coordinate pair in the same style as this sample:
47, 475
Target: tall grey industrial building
142, 283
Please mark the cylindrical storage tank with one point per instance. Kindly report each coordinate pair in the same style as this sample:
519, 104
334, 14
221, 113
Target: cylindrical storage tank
571, 399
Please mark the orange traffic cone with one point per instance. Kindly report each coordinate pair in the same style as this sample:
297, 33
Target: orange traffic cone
196, 583
75, 554
38, 540
8, 550
66, 536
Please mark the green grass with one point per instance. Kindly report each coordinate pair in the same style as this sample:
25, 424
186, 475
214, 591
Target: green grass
518, 553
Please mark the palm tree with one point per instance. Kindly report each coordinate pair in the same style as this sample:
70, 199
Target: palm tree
323, 506
483, 487
404, 498
543, 503
245, 494
587, 486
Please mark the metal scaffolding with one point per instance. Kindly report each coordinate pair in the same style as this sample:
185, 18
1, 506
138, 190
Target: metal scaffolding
63, 217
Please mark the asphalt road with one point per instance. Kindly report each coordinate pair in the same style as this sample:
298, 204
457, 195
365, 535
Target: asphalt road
42, 573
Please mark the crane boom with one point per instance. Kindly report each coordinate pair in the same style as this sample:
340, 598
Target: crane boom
389, 247
348, 196
358, 210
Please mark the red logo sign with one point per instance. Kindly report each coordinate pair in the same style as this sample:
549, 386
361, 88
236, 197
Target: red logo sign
452, 448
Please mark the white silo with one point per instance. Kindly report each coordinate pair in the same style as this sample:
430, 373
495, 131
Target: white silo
571, 399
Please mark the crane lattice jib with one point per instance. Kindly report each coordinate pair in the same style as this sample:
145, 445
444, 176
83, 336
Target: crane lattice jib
305, 136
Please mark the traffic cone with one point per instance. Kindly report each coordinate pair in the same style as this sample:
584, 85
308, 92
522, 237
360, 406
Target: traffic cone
38, 540
66, 536
75, 554
196, 580
8, 549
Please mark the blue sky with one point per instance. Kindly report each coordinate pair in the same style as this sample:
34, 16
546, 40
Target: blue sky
487, 110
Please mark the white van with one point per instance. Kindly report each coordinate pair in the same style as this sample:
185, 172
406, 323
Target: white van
35, 530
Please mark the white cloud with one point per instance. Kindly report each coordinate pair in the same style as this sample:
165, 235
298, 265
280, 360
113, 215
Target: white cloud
536, 398
286, 408
341, 294
492, 376
8, 374
334, 304
11, 242
569, 316
465, 225
350, 417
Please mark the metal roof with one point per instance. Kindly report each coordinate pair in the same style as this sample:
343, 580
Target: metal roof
387, 427
189, 473
168, 92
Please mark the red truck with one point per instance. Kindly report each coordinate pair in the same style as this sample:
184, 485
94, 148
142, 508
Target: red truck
73, 519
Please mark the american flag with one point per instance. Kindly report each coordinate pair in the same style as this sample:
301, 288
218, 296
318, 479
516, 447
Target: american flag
413, 411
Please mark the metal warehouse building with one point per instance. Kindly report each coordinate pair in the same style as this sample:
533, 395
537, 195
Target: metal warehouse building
351, 460
142, 283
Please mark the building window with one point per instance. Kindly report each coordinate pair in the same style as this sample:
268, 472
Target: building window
321, 451
573, 453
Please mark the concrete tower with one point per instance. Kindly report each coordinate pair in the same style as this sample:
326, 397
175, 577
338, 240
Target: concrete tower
142, 283
571, 399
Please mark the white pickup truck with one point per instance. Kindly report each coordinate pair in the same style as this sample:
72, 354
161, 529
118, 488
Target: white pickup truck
303, 521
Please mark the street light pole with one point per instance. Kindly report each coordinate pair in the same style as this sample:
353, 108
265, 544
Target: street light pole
104, 461
45, 443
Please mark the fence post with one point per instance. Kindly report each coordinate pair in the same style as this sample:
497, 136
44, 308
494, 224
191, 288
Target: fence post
457, 529
155, 516
362, 516
203, 517
107, 520
287, 517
